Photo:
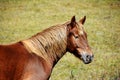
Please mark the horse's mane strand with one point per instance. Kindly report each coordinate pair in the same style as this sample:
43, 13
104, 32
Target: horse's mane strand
50, 43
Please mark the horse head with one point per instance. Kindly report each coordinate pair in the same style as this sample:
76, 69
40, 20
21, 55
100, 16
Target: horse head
77, 42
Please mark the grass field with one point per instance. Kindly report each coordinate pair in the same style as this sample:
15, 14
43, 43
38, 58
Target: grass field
20, 19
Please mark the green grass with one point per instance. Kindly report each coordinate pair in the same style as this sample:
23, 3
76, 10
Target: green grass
21, 19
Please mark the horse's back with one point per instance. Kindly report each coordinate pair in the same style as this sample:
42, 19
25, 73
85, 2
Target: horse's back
16, 63
13, 58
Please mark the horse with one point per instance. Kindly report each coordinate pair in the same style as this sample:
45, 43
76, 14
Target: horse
35, 57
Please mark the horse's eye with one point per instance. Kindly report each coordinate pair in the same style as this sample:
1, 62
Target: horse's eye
76, 36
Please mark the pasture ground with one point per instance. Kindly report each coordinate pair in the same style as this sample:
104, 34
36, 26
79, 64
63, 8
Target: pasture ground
20, 19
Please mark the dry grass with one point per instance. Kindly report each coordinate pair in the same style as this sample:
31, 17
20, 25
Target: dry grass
22, 19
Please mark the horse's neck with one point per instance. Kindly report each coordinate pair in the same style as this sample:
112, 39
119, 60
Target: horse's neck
50, 44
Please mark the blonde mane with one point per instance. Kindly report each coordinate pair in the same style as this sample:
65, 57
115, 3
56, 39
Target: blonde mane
50, 43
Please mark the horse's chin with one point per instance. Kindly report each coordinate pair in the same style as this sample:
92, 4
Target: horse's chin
86, 62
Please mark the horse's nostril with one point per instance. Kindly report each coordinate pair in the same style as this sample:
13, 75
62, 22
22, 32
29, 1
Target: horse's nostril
88, 56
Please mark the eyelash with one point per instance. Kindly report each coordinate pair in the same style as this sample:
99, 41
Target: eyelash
76, 36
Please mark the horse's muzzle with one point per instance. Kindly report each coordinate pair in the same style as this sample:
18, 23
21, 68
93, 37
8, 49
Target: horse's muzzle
87, 58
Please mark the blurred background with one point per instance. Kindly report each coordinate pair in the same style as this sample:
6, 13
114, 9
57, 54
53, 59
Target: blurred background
20, 19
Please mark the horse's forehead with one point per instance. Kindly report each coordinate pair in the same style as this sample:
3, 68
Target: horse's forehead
80, 29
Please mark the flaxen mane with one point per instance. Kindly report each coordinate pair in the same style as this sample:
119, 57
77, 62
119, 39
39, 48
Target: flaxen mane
50, 43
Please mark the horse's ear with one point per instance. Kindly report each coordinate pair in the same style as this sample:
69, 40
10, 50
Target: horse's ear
82, 21
73, 22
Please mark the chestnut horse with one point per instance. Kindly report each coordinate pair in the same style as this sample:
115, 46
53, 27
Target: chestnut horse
34, 58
